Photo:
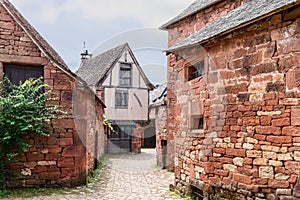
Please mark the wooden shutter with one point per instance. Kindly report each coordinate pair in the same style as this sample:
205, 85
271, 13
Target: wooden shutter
17, 73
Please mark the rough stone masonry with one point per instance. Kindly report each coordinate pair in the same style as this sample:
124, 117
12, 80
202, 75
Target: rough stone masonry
249, 147
68, 155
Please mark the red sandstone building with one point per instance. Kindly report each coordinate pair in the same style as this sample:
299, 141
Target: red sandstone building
233, 98
70, 153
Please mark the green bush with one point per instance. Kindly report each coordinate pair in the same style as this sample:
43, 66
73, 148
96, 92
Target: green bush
23, 111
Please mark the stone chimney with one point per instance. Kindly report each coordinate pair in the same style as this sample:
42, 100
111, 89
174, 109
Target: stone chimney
85, 55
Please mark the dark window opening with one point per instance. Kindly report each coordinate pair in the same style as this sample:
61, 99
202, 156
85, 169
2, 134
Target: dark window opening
21, 73
196, 70
17, 73
197, 193
197, 123
122, 99
125, 74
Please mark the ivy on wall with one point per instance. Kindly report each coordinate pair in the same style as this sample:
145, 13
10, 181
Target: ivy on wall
23, 111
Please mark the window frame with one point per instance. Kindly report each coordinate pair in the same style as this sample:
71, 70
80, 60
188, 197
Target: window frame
197, 122
125, 66
124, 95
39, 69
199, 68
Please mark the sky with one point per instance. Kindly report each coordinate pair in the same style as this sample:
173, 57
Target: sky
104, 24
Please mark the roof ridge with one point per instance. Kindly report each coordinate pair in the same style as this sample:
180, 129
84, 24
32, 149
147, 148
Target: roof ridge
109, 50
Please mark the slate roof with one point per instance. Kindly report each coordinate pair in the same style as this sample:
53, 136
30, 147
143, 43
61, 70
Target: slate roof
94, 70
241, 16
157, 96
193, 8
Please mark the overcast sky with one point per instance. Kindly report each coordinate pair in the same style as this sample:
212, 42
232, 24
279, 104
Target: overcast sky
103, 24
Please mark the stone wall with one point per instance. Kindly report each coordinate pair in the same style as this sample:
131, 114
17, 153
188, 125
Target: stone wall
136, 138
164, 142
249, 98
63, 158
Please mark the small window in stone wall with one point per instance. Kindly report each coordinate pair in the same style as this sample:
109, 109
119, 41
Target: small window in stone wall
17, 73
196, 70
197, 123
21, 73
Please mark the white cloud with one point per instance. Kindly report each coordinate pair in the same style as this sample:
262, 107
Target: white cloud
147, 12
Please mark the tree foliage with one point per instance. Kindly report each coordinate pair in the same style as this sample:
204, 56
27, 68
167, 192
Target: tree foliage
24, 111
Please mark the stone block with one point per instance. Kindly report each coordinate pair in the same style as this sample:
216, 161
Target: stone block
291, 131
275, 163
278, 184
73, 151
281, 122
295, 116
236, 152
283, 192
248, 146
289, 102
251, 140
268, 130
254, 153
297, 155
266, 172
271, 113
238, 161
280, 139
66, 162
49, 175
229, 167
270, 155
284, 157
282, 177
242, 178
65, 141
46, 163
260, 161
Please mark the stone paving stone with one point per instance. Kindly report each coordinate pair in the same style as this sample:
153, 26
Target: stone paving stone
124, 177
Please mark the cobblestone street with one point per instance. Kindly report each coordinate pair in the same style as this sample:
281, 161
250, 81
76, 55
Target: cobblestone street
124, 176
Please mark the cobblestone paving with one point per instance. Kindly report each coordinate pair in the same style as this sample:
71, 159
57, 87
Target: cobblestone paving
124, 177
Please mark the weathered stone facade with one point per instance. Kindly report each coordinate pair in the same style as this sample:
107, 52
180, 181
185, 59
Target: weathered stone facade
68, 155
249, 99
158, 117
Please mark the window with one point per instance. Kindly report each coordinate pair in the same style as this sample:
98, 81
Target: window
17, 73
196, 70
122, 99
197, 123
125, 74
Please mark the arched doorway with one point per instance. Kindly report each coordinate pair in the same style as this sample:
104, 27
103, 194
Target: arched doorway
150, 138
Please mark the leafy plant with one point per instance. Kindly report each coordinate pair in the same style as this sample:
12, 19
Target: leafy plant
107, 123
24, 111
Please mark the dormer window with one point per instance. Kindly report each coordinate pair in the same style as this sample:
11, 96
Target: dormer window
125, 74
196, 70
